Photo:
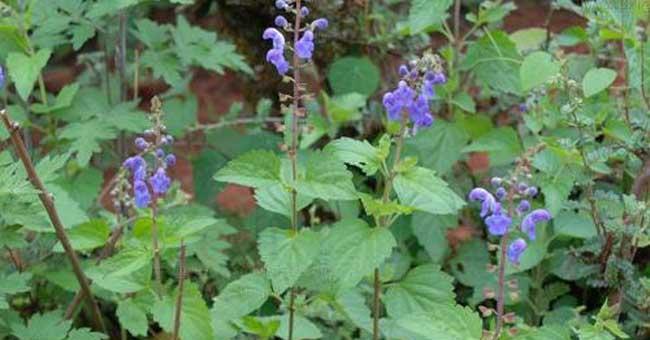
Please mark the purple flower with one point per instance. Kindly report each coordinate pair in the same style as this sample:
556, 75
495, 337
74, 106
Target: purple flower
160, 182
320, 24
531, 192
530, 221
276, 57
523, 207
515, 250
281, 21
140, 174
523, 108
496, 181
501, 193
141, 144
276, 36
167, 140
488, 202
281, 4
395, 102
160, 153
170, 160
498, 223
141, 193
522, 187
419, 112
305, 45
403, 70
134, 163
304, 11
428, 90
2, 77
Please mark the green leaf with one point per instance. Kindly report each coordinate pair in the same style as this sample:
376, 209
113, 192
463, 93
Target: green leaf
164, 64
431, 233
529, 39
422, 189
63, 100
287, 254
126, 272
241, 297
443, 322
195, 316
105, 7
180, 114
346, 107
440, 146
377, 207
422, 290
13, 283
470, 263
597, 80
326, 177
547, 332
85, 334
572, 224
495, 61
353, 305
303, 328
81, 34
132, 317
277, 198
86, 138
48, 326
87, 236
354, 74
537, 69
151, 33
24, 70
255, 169
358, 153
502, 144
427, 14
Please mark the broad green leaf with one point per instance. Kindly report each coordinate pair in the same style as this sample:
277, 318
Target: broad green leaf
106, 7
87, 236
195, 315
354, 74
443, 322
241, 297
495, 61
352, 304
346, 107
63, 99
180, 114
537, 69
24, 70
151, 33
326, 177
12, 284
70, 211
163, 64
440, 146
48, 326
85, 334
502, 144
572, 224
427, 14
547, 332
287, 254
303, 328
376, 207
358, 153
126, 272
132, 317
422, 189
431, 233
529, 39
277, 198
255, 169
422, 290
597, 80
81, 34
470, 263
86, 137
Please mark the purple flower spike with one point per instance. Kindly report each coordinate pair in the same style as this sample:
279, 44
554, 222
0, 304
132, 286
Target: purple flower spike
281, 4
141, 193
160, 182
276, 36
522, 187
134, 163
160, 153
276, 57
395, 102
304, 11
403, 70
439, 78
523, 207
515, 250
501, 193
419, 112
498, 223
305, 46
170, 160
320, 24
530, 221
428, 90
141, 143
281, 21
2, 77
488, 202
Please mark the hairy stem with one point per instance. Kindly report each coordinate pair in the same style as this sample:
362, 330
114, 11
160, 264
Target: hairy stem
156, 248
501, 285
179, 298
293, 150
48, 204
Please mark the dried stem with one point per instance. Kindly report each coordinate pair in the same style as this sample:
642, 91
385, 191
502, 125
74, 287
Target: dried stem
293, 150
501, 285
179, 298
48, 204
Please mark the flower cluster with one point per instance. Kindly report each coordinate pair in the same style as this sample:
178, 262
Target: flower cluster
2, 77
500, 220
152, 182
415, 90
304, 47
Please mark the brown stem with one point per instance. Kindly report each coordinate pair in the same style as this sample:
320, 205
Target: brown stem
48, 204
156, 249
179, 298
293, 150
501, 286
15, 259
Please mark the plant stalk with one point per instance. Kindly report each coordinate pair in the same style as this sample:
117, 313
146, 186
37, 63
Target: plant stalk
179, 298
501, 286
48, 204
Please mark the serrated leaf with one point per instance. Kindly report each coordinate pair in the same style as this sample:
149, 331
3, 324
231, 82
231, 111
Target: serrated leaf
85, 334
502, 145
63, 100
255, 169
132, 317
195, 315
426, 14
326, 177
597, 80
353, 75
376, 207
537, 69
241, 297
422, 189
353, 305
440, 146
86, 138
277, 198
287, 254
421, 290
87, 236
358, 153
24, 70
431, 233
48, 326
443, 322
